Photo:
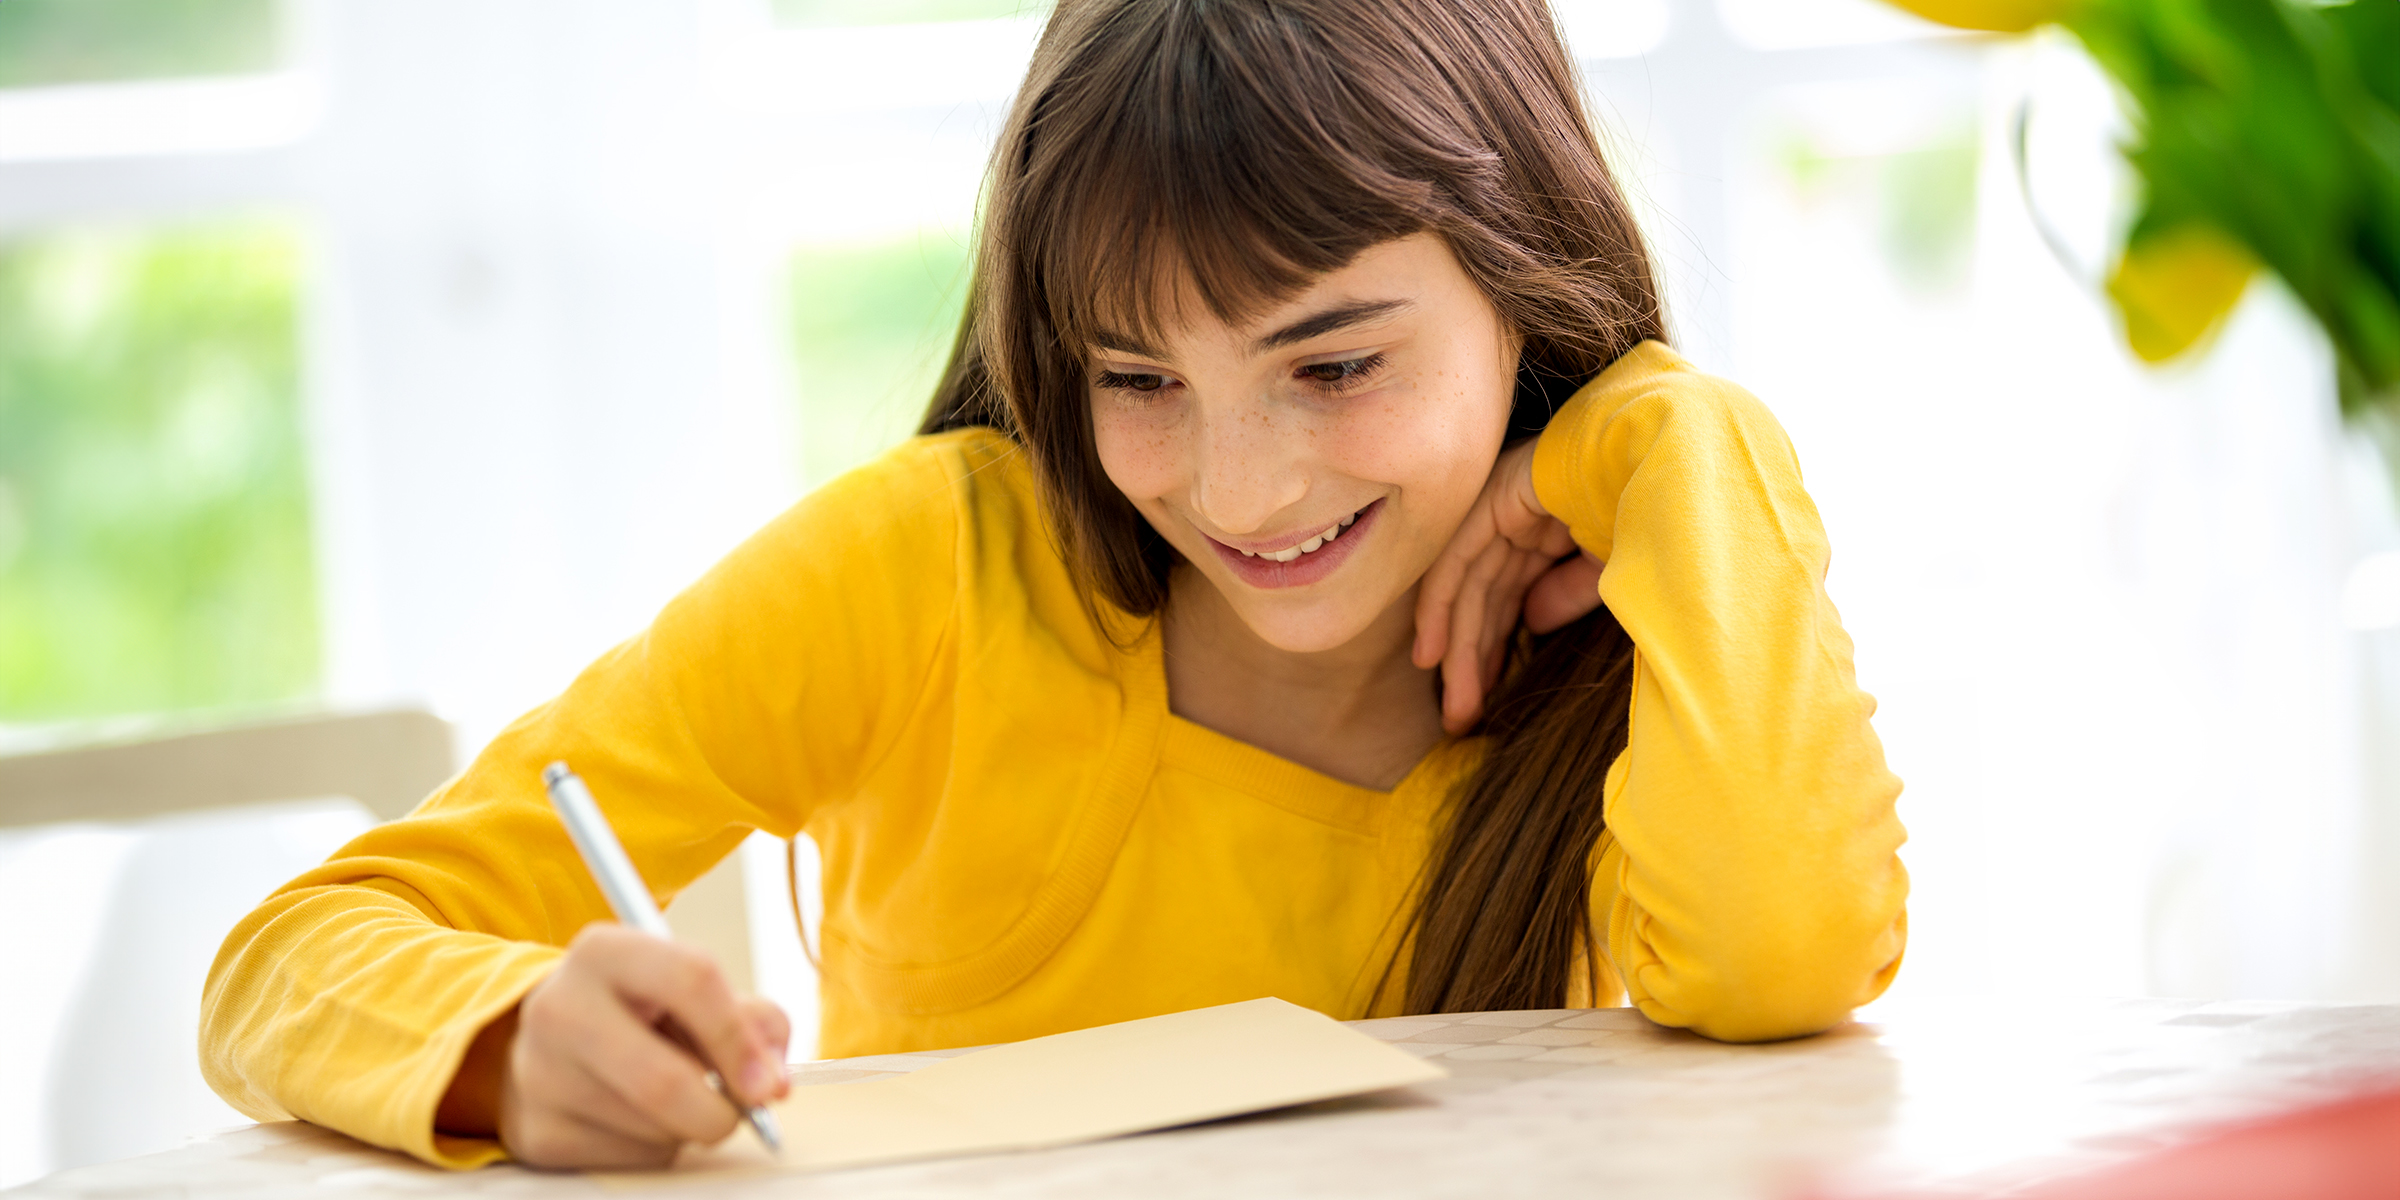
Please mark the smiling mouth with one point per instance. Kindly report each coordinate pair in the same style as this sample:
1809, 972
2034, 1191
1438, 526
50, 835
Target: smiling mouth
1313, 543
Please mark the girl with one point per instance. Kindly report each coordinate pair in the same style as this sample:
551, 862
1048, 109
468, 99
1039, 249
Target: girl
1315, 578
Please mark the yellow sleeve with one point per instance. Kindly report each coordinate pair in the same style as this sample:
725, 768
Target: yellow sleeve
757, 697
1750, 876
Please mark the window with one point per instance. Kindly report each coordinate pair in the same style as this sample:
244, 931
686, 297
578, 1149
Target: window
872, 323
154, 543
81, 41
157, 540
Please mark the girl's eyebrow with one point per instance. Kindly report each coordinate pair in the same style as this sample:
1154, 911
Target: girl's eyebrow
1341, 316
1104, 339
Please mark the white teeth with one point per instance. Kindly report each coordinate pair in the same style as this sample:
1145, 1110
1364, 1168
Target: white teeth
1310, 546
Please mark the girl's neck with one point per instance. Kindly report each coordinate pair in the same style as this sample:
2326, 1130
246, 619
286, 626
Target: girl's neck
1361, 712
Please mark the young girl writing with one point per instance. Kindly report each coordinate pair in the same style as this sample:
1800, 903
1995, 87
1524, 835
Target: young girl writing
1315, 578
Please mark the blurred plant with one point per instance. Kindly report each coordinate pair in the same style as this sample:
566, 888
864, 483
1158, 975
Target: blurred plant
76, 41
154, 541
1922, 200
1929, 211
871, 324
2266, 132
1993, 16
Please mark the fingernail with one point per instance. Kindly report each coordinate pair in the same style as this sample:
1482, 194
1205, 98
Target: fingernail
758, 1079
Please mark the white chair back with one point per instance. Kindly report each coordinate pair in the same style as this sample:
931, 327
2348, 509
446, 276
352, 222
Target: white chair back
122, 1076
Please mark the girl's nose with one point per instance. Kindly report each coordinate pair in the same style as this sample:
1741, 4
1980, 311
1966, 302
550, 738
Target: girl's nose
1249, 470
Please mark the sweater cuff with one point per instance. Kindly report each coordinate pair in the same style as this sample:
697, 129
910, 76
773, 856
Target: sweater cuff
420, 1098
1571, 475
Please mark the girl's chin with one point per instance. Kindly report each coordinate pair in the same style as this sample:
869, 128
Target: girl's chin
1307, 628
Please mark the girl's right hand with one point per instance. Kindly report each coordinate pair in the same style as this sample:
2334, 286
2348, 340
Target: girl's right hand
592, 1081
1508, 562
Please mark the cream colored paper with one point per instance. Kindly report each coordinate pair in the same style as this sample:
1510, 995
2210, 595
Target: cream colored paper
1093, 1083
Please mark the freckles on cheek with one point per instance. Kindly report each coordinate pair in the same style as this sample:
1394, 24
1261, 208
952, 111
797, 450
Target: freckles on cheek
1140, 459
1427, 430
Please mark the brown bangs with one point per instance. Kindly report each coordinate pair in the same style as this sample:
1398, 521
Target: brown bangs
1231, 160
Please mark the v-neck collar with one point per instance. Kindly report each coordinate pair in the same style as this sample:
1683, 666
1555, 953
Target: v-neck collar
1304, 791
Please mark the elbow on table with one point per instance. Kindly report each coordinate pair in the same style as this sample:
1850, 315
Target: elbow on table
230, 1030
1778, 988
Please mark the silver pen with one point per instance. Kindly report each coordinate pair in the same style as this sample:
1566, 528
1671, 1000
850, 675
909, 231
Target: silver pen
630, 898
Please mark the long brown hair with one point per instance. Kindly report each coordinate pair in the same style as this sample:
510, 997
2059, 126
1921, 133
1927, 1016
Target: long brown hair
1257, 145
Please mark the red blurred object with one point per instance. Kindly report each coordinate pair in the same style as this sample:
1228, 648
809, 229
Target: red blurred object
2346, 1150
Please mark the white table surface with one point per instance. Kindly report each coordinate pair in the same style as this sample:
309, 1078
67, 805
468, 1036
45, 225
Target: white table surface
1952, 1098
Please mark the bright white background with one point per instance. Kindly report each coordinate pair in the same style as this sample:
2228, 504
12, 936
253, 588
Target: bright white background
2128, 632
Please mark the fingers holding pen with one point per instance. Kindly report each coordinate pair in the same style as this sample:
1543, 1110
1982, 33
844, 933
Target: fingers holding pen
570, 1116
772, 1030
587, 1024
611, 1059
686, 994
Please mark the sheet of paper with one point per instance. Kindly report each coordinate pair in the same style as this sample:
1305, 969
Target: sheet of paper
1093, 1083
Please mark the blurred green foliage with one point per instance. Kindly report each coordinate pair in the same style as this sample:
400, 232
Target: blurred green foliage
899, 12
154, 539
76, 41
1929, 212
2278, 123
1922, 201
871, 328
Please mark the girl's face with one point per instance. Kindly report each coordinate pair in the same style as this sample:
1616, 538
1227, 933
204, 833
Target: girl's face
1313, 462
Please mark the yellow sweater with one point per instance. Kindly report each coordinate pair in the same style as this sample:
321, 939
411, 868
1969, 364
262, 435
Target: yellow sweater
1019, 838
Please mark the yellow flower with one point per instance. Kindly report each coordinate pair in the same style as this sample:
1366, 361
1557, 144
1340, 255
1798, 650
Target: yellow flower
1998, 16
2173, 286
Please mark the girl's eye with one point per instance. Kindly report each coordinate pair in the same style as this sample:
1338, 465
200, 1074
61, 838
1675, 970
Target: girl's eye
1341, 376
1113, 381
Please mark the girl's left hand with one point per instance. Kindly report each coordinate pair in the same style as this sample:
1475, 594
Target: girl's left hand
1503, 564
